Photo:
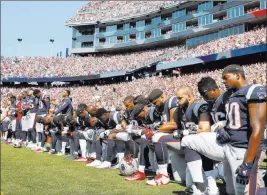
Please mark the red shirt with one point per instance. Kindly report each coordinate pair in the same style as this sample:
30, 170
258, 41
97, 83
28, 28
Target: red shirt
19, 106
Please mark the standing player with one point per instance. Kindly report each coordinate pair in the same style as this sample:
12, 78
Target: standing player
33, 105
238, 144
43, 108
25, 116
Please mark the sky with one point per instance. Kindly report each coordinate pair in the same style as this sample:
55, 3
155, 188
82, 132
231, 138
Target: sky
36, 22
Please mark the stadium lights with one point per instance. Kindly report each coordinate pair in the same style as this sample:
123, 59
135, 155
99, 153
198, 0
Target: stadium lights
51, 50
19, 40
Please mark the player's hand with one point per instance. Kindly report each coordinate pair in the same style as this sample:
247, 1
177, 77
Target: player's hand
114, 131
243, 173
222, 136
148, 133
129, 128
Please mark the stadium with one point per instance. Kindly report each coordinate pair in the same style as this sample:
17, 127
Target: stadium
115, 111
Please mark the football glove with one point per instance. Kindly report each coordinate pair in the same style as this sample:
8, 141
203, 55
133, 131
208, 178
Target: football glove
217, 126
148, 133
222, 136
243, 173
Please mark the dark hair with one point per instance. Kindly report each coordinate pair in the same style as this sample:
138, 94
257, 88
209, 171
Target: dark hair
129, 98
100, 112
81, 108
137, 109
155, 94
140, 99
206, 84
13, 97
234, 69
36, 91
68, 91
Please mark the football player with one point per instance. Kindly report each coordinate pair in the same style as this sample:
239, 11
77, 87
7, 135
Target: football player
114, 124
166, 106
43, 109
196, 119
238, 143
148, 117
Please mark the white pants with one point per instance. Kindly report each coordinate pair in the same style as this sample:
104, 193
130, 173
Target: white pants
25, 123
232, 157
31, 120
13, 124
124, 136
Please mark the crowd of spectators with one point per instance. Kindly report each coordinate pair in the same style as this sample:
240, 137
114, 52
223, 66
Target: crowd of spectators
99, 63
112, 95
250, 38
102, 10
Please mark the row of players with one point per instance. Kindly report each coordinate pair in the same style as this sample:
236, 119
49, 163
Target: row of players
192, 135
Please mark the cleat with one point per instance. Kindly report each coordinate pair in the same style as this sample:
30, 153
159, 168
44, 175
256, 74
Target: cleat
89, 160
137, 176
160, 179
104, 165
71, 157
80, 159
52, 152
60, 154
95, 163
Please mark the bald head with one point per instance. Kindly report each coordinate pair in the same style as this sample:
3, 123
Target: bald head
185, 91
91, 109
185, 96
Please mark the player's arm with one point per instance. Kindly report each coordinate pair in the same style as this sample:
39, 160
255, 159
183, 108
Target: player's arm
258, 117
170, 125
204, 118
204, 123
66, 103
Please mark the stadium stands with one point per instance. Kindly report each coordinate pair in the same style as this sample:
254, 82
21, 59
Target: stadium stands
113, 99
102, 10
82, 66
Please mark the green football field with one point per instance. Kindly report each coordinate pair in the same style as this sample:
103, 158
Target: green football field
24, 172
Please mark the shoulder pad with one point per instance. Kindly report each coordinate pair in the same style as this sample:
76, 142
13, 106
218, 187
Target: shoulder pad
172, 102
200, 106
256, 92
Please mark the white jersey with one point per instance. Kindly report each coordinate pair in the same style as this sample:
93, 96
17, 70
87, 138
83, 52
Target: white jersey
4, 113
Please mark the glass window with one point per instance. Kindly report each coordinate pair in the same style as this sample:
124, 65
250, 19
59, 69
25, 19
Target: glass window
205, 6
263, 4
140, 23
179, 13
235, 11
140, 35
156, 20
204, 20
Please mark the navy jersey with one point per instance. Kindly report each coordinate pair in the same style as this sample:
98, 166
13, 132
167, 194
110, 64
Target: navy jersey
170, 103
59, 121
127, 115
43, 107
33, 103
191, 116
24, 103
13, 107
152, 116
238, 121
218, 112
65, 107
115, 119
83, 122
